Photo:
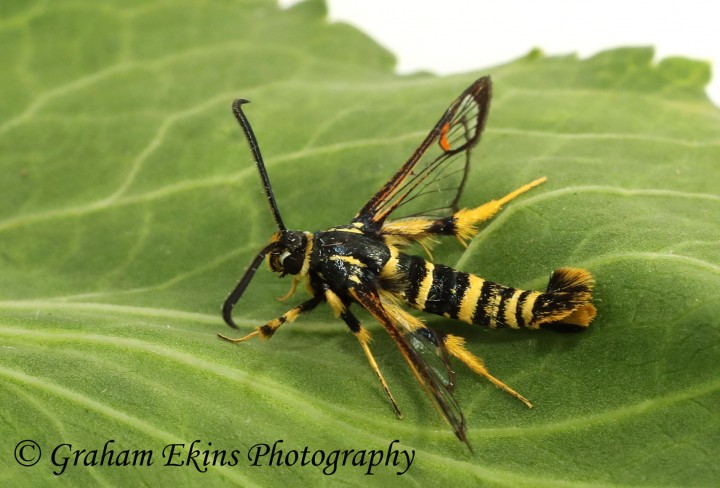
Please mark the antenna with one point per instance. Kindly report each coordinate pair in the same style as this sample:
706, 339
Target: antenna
245, 124
239, 289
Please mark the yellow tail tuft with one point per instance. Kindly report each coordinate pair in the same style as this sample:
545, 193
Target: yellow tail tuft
581, 316
568, 298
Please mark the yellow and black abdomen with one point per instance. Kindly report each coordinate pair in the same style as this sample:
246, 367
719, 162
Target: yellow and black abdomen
442, 290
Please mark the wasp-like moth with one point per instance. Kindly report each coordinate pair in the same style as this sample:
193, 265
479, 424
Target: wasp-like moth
366, 262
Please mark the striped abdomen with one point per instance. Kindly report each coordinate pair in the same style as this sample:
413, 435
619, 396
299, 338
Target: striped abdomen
441, 290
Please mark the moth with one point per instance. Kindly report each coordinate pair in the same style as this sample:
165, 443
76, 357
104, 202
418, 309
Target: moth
367, 262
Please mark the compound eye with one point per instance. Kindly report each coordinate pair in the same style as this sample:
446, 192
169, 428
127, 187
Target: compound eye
292, 263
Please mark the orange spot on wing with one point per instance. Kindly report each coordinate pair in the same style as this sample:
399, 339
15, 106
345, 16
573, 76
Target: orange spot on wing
444, 143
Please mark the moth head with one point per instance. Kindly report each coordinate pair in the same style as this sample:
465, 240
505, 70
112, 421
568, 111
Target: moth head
288, 255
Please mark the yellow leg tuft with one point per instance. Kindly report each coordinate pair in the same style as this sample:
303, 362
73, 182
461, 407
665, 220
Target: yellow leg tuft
467, 220
456, 346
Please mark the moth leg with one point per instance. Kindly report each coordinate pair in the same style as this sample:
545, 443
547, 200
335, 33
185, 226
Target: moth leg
466, 221
456, 347
363, 336
463, 224
291, 292
266, 331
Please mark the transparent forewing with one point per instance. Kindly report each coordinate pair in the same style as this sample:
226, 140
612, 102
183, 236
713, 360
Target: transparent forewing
437, 378
429, 359
423, 351
427, 344
432, 180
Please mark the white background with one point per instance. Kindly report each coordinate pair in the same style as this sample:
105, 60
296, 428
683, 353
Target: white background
455, 36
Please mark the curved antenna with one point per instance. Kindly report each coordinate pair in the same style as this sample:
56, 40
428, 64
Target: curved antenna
239, 289
245, 124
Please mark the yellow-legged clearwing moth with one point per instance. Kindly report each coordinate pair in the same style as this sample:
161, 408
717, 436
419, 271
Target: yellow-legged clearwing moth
366, 262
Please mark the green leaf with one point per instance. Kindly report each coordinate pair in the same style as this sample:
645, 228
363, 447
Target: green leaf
129, 205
